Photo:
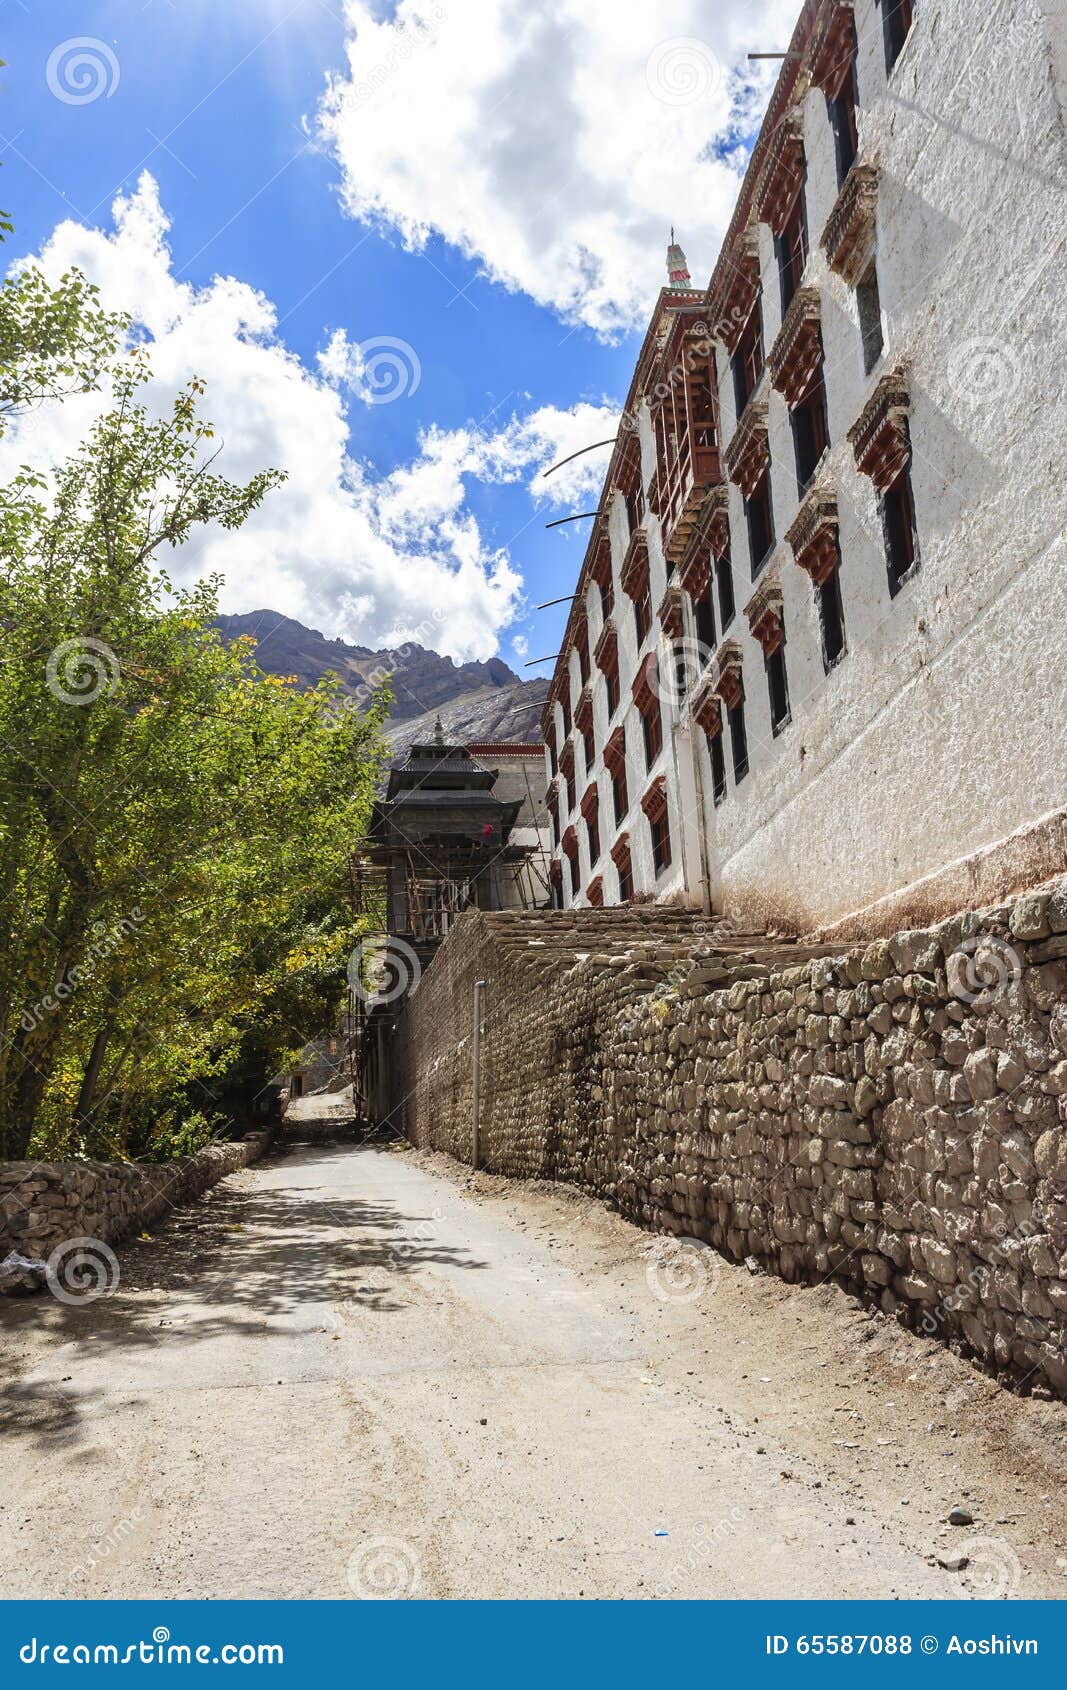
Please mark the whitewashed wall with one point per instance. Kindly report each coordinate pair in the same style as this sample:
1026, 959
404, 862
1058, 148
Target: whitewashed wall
941, 729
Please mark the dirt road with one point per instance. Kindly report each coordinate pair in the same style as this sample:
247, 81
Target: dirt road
359, 1372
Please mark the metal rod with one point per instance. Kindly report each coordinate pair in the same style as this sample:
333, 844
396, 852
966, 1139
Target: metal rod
476, 1072
578, 454
534, 661
568, 598
768, 55
577, 517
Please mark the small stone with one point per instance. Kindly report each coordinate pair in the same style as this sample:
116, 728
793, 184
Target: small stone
1029, 918
960, 1517
952, 1563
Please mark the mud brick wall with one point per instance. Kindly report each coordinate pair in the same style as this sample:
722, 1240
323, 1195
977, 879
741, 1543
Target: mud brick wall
891, 1115
43, 1204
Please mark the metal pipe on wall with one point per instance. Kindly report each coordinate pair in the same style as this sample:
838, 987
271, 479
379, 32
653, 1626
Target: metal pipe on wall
476, 1071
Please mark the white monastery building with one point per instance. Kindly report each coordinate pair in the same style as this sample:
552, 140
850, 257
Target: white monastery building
816, 661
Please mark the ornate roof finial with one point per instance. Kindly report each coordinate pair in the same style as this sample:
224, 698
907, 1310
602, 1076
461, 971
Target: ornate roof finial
677, 266
438, 736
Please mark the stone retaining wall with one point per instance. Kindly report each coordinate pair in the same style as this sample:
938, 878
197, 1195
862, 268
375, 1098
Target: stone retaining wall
890, 1115
43, 1204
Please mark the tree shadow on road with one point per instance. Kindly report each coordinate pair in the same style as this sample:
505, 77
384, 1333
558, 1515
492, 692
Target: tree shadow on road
241, 1262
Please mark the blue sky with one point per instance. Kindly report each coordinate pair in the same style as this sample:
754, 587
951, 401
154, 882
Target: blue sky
489, 189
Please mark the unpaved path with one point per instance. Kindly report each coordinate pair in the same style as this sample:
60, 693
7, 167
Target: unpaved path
358, 1371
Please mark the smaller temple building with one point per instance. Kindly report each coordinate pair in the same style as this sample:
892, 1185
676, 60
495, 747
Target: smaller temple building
457, 828
446, 841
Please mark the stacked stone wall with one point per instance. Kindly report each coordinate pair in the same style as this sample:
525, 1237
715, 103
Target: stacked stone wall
45, 1204
891, 1116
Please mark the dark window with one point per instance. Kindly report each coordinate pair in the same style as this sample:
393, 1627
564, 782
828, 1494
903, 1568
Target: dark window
583, 659
831, 619
724, 581
808, 422
681, 670
898, 526
778, 688
897, 18
619, 798
842, 112
565, 706
718, 768
587, 747
555, 829
607, 597
760, 519
748, 358
791, 250
738, 741
626, 879
661, 842
572, 876
704, 623
553, 759
570, 791
642, 616
869, 308
612, 680
592, 828
652, 729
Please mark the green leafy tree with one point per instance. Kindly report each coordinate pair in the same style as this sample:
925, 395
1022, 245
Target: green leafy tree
174, 823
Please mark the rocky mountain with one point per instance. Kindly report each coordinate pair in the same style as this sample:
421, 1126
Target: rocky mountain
474, 700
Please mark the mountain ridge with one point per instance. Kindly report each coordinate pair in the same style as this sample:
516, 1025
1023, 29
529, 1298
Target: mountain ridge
476, 700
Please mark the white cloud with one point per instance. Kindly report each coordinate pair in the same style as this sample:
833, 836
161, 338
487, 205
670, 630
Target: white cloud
556, 143
368, 558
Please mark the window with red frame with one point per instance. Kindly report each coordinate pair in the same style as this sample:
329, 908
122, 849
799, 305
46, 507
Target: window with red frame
652, 731
759, 516
810, 433
592, 833
724, 586
718, 768
583, 658
611, 680
898, 527
625, 873
791, 250
842, 110
747, 362
704, 625
552, 756
831, 619
738, 740
620, 800
643, 614
897, 19
607, 597
565, 706
661, 841
587, 748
